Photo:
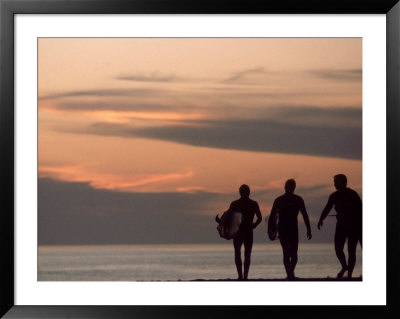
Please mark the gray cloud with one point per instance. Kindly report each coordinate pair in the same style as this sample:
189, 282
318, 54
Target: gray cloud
250, 135
76, 214
312, 112
140, 101
339, 75
315, 116
102, 93
117, 106
240, 76
304, 115
147, 78
332, 132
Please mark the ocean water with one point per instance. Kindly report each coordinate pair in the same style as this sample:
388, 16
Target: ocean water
180, 262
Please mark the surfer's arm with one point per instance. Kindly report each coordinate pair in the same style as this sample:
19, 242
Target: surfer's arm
305, 218
259, 217
326, 211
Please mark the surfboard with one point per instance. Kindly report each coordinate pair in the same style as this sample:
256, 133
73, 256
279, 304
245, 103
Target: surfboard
229, 224
272, 227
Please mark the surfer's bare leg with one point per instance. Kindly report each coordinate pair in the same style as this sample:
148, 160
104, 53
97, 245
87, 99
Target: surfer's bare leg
246, 265
286, 254
294, 244
340, 239
248, 245
237, 244
287, 263
352, 246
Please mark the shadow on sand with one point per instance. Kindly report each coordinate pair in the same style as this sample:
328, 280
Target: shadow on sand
297, 279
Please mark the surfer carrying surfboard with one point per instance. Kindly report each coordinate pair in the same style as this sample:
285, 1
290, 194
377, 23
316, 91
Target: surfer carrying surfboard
288, 206
249, 208
348, 206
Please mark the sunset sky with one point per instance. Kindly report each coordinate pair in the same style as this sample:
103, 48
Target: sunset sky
146, 140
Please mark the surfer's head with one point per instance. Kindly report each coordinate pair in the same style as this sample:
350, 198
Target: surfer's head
290, 185
340, 181
244, 191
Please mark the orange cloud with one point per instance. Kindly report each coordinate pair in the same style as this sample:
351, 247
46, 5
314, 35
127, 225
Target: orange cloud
124, 117
127, 182
190, 189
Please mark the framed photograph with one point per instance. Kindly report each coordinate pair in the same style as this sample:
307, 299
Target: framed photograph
126, 127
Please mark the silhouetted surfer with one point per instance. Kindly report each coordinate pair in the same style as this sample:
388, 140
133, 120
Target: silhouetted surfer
288, 206
348, 206
248, 208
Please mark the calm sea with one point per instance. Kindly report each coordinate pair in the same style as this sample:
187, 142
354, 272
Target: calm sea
180, 262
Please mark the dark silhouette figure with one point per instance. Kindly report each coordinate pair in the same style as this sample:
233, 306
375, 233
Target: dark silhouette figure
248, 208
287, 207
348, 206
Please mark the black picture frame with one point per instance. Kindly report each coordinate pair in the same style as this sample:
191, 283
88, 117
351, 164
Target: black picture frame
8, 8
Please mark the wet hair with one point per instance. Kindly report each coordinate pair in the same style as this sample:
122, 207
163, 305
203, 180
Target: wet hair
290, 185
244, 190
341, 180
